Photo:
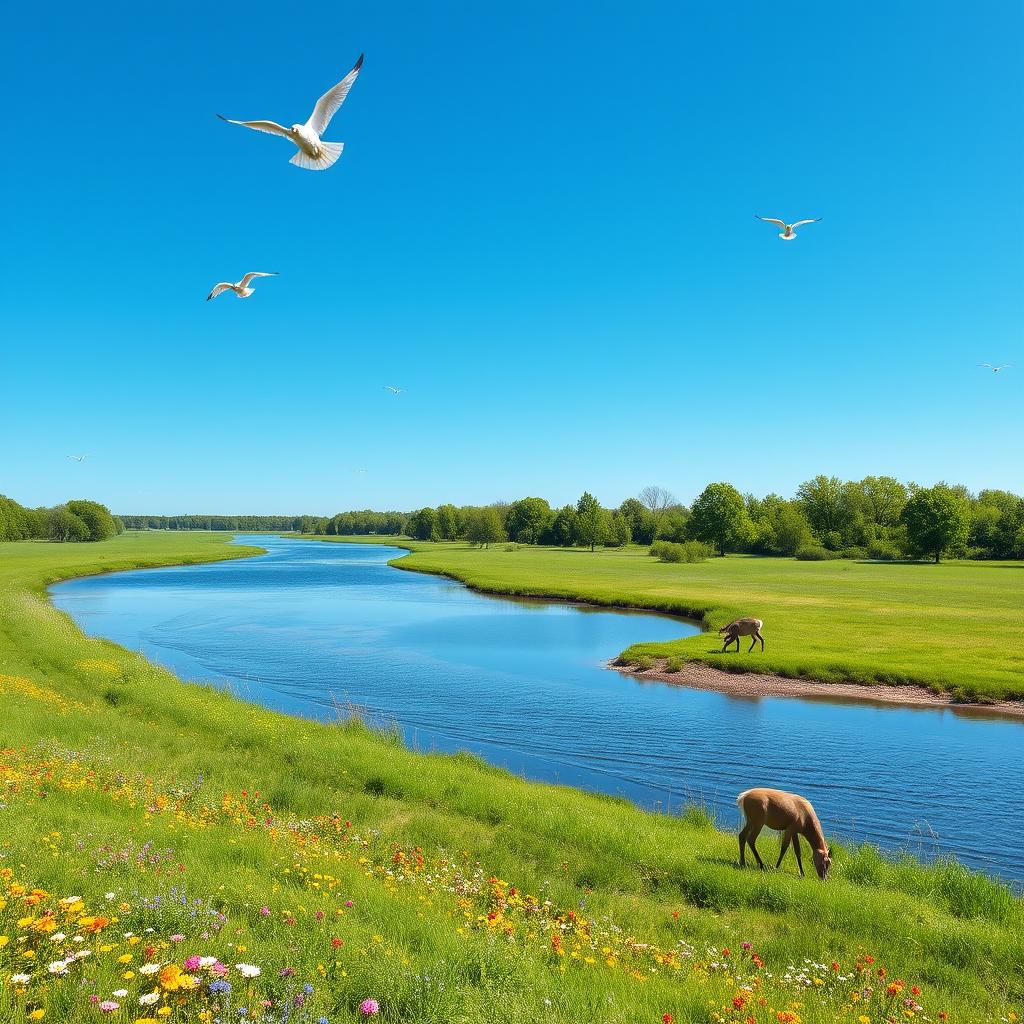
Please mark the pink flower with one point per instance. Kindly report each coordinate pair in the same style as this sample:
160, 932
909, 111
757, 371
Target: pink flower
746, 945
109, 1006
265, 911
368, 1007
348, 903
177, 938
192, 963
218, 969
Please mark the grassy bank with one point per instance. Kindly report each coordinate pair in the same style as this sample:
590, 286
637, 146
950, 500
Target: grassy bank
954, 627
189, 825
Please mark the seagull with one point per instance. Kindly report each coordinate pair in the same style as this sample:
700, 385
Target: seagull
241, 289
78, 458
313, 154
787, 231
996, 369
394, 391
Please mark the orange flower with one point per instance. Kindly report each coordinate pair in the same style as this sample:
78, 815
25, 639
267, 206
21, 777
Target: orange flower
170, 977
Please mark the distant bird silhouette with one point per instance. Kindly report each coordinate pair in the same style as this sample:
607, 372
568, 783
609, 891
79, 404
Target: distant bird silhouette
314, 154
394, 391
241, 288
78, 458
787, 231
996, 369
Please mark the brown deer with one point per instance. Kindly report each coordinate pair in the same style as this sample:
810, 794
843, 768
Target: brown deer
742, 627
789, 814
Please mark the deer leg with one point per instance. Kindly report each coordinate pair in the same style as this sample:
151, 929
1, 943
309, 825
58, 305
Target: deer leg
761, 638
753, 642
754, 833
785, 846
796, 850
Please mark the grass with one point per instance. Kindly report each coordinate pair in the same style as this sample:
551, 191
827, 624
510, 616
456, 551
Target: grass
192, 824
955, 627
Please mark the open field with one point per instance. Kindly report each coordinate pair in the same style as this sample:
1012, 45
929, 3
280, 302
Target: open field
445, 889
955, 627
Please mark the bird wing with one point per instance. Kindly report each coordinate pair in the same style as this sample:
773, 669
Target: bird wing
813, 220
270, 127
773, 220
327, 106
244, 283
218, 288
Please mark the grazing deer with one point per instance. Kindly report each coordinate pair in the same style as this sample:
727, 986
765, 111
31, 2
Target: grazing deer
742, 627
789, 814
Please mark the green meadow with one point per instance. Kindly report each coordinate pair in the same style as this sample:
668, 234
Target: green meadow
149, 823
955, 627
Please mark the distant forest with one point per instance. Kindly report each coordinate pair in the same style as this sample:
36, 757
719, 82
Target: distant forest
877, 517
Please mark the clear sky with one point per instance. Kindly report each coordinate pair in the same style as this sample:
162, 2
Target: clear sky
542, 227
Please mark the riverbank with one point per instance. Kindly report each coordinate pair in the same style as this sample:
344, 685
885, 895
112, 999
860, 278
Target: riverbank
755, 685
871, 628
441, 887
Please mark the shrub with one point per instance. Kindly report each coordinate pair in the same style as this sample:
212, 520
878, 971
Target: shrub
688, 551
815, 553
853, 552
884, 551
674, 664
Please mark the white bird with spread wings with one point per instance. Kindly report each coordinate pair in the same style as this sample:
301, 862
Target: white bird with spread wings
996, 369
78, 458
314, 154
787, 231
393, 390
240, 288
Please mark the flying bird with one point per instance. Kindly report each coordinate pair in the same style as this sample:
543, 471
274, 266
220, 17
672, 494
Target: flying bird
996, 369
78, 458
314, 154
241, 288
394, 391
787, 231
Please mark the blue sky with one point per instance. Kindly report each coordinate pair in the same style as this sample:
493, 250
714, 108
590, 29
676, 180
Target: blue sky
542, 227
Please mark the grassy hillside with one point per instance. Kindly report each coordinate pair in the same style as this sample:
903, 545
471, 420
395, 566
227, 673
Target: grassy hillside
953, 627
184, 839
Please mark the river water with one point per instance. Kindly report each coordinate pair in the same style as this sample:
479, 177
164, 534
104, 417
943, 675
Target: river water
310, 628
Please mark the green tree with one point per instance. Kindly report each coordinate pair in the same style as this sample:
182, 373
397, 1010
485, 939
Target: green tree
563, 529
620, 534
448, 525
423, 525
591, 522
97, 518
831, 508
937, 519
483, 526
528, 520
642, 523
64, 525
719, 516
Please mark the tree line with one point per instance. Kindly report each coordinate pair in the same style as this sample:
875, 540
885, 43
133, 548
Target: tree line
78, 520
877, 517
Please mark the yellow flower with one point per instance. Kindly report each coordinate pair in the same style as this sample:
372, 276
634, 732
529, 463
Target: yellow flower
863, 1019
124, 958
164, 1011
3, 941
145, 1020
37, 1014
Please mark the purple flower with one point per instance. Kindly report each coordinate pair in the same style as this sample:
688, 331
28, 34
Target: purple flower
368, 1007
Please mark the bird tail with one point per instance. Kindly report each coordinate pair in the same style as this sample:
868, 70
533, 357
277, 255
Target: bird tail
330, 151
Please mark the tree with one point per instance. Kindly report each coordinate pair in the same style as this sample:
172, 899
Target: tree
483, 526
720, 517
619, 534
423, 525
528, 520
564, 528
937, 518
448, 525
829, 506
97, 518
65, 525
591, 525
656, 500
642, 524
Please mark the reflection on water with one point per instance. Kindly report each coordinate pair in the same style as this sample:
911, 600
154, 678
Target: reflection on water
312, 626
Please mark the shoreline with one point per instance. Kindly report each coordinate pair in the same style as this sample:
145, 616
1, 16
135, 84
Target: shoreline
696, 675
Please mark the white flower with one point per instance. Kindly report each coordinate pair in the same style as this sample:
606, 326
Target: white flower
120, 993
58, 967
149, 968
247, 970
58, 937
149, 998
82, 954
21, 979
68, 900
108, 895
77, 938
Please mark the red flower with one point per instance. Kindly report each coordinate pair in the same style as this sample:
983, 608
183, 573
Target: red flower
835, 966
667, 1018
915, 990
336, 942
725, 952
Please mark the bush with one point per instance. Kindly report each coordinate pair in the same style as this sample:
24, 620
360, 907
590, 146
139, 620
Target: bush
674, 664
815, 553
884, 551
689, 551
853, 552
